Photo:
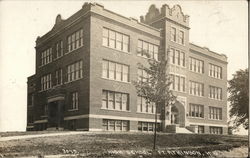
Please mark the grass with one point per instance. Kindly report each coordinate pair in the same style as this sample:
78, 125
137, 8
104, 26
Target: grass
99, 144
7, 134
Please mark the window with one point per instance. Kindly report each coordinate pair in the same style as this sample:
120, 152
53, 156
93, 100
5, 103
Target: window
111, 70
201, 129
172, 56
115, 40
196, 65
215, 130
118, 101
215, 92
144, 107
125, 102
148, 126
196, 110
178, 83
196, 88
46, 56
75, 101
111, 100
147, 50
31, 100
46, 82
115, 71
105, 99
74, 71
125, 41
142, 75
215, 113
75, 40
215, 71
105, 69
105, 37
181, 37
173, 34
115, 125
177, 37
177, 57
59, 49
119, 72
58, 77
115, 100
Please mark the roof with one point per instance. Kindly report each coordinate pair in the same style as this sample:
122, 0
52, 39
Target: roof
207, 52
87, 8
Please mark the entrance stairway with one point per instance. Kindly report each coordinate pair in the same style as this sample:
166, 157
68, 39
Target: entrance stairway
174, 128
182, 130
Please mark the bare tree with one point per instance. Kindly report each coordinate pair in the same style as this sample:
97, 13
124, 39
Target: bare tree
156, 87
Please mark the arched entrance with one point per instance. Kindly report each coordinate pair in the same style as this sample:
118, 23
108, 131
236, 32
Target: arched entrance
178, 114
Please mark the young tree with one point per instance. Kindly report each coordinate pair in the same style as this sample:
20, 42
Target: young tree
239, 98
156, 87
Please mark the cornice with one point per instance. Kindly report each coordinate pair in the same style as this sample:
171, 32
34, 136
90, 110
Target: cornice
170, 20
191, 50
87, 10
52, 33
97, 14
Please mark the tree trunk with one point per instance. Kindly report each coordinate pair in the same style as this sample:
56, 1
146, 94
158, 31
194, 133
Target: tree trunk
155, 128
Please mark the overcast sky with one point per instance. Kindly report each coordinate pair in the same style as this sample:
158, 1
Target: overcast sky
221, 26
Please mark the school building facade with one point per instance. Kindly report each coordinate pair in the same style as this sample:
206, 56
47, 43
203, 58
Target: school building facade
85, 66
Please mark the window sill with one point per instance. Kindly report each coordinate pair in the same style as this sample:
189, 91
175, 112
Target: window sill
146, 57
197, 96
73, 50
200, 118
73, 81
178, 91
115, 110
215, 120
73, 109
216, 99
115, 80
178, 43
215, 78
184, 67
57, 86
44, 90
44, 65
118, 50
58, 58
146, 113
196, 72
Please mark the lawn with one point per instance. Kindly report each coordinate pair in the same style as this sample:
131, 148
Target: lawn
7, 134
121, 144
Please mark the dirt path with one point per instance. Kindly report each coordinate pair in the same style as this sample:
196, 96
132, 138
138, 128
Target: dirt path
40, 135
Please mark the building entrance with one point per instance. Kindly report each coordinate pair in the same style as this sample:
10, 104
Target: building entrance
174, 115
55, 115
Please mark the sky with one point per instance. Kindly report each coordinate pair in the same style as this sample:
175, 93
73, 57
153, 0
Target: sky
222, 26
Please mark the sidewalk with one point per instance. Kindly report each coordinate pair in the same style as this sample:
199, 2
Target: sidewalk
42, 135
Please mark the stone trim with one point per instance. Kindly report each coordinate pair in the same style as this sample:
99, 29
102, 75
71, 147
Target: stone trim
110, 117
207, 124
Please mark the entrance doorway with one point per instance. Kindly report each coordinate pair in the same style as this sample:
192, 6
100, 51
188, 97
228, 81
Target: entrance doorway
174, 115
53, 114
